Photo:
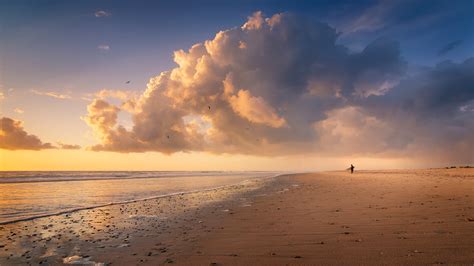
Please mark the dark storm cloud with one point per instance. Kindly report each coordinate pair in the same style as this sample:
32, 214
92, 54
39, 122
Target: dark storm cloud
431, 112
432, 92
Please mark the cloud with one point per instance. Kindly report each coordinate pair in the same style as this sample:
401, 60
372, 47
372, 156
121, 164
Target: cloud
282, 85
117, 94
68, 146
429, 112
18, 110
255, 109
373, 18
2, 96
52, 94
128, 98
102, 117
449, 47
103, 47
14, 137
348, 129
254, 85
102, 13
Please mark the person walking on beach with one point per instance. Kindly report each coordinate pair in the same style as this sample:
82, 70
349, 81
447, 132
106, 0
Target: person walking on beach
352, 169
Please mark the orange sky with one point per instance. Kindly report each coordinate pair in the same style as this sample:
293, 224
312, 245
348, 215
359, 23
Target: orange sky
233, 102
89, 160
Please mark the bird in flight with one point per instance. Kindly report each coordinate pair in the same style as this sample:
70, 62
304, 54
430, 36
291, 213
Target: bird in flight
128, 82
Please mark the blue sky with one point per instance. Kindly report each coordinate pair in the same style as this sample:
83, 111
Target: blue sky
61, 37
55, 56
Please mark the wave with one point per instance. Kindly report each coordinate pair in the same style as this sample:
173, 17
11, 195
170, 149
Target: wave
58, 176
71, 210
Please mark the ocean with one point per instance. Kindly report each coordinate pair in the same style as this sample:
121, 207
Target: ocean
27, 195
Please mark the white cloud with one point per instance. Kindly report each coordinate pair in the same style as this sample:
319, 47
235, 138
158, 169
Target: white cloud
103, 47
116, 94
373, 18
255, 109
352, 130
18, 110
52, 94
102, 13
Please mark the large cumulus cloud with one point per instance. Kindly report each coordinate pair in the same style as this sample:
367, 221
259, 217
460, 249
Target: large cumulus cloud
281, 85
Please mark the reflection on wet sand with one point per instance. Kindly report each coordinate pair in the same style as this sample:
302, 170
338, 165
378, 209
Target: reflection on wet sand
76, 237
20, 200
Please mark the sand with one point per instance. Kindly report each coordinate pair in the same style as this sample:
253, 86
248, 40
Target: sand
367, 218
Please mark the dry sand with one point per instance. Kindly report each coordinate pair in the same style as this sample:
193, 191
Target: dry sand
368, 218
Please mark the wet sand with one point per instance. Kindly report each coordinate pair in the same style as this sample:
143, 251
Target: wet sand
370, 217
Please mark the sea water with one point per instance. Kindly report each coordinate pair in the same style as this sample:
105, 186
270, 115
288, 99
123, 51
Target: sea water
26, 195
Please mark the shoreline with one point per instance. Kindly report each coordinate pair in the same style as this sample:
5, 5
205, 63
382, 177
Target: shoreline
17, 180
399, 217
68, 211
163, 210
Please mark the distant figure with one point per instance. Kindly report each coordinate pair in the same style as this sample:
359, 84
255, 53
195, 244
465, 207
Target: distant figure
352, 169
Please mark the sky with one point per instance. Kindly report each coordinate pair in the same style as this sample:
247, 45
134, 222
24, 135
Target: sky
236, 85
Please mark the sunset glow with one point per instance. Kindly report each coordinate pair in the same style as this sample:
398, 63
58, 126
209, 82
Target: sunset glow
211, 132
321, 93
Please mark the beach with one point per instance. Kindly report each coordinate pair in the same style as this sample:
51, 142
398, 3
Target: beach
26, 195
389, 217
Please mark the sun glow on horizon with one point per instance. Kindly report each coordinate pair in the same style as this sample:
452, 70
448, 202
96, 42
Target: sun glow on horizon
83, 160
296, 91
